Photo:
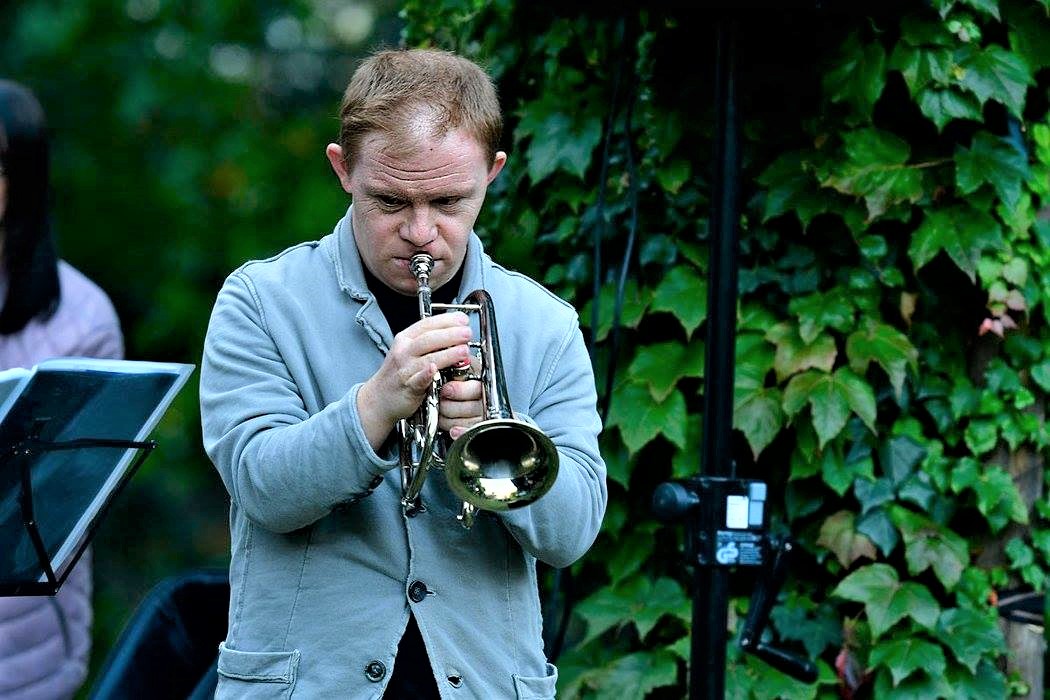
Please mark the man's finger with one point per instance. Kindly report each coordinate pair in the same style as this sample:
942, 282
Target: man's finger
460, 409
469, 390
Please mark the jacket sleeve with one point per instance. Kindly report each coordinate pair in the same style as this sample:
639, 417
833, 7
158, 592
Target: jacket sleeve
562, 525
283, 467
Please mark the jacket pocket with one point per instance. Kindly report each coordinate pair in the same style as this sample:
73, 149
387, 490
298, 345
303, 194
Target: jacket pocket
256, 674
536, 687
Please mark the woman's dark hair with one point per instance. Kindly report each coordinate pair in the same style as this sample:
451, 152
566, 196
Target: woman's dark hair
28, 252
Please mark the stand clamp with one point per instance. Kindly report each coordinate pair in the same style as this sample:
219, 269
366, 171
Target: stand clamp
725, 521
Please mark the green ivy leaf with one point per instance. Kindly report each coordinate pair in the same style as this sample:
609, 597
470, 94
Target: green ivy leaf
1028, 27
635, 303
686, 460
988, 7
818, 311
960, 231
899, 457
970, 635
754, 360
831, 398
631, 676
841, 538
914, 688
904, 657
662, 365
858, 76
995, 161
684, 294
922, 66
637, 600
748, 678
993, 73
944, 105
917, 489
758, 414
816, 627
872, 494
753, 317
1041, 375
876, 169
618, 466
794, 355
887, 346
981, 435
987, 682
998, 499
886, 600
790, 187
557, 140
919, 30
630, 552
1020, 554
927, 544
673, 175
641, 419
839, 471
877, 525
804, 457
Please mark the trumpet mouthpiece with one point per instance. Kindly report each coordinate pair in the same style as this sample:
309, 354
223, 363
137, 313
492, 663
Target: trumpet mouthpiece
421, 265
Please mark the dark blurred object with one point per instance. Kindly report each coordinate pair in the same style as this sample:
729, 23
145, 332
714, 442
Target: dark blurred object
169, 647
1021, 605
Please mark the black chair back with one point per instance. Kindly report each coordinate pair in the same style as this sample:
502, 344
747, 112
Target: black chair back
169, 648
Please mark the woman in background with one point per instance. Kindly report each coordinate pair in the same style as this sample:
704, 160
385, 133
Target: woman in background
47, 309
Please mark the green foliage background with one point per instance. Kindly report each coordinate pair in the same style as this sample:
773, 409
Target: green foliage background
893, 355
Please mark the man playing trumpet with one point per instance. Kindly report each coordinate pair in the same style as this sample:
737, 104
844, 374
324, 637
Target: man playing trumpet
311, 359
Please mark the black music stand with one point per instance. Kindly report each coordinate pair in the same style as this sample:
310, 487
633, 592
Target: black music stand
72, 433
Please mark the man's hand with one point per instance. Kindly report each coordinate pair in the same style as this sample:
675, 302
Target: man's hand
460, 406
399, 386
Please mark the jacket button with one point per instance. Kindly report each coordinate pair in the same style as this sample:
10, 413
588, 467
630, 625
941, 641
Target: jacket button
375, 671
417, 591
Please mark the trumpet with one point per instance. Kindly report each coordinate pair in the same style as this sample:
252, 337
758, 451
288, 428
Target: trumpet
498, 464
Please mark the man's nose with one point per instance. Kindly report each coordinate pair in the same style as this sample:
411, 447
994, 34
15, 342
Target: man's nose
418, 230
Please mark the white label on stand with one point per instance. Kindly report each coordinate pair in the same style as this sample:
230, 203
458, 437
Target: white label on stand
736, 512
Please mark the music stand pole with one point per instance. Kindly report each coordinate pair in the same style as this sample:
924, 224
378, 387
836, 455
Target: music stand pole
711, 596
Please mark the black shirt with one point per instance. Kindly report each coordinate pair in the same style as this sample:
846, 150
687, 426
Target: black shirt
401, 310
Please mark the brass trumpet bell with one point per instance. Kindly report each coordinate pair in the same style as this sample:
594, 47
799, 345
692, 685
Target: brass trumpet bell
501, 464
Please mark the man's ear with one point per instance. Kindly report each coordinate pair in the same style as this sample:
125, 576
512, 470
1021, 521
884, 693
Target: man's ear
498, 162
335, 157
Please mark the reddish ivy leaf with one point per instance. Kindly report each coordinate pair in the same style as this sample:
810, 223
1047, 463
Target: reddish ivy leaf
841, 538
794, 355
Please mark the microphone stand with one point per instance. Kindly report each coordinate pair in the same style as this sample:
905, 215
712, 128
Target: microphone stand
725, 516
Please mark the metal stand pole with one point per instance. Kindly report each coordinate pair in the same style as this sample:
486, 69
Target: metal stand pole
710, 604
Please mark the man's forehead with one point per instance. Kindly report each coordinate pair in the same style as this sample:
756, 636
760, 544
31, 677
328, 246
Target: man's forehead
420, 144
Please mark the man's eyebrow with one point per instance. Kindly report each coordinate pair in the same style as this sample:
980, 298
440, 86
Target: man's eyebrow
392, 193
385, 192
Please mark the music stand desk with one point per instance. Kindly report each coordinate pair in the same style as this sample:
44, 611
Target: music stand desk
72, 433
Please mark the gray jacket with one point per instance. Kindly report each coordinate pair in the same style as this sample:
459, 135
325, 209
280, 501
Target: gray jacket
325, 567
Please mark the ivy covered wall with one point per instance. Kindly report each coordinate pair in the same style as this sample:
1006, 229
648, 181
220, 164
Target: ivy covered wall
893, 352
